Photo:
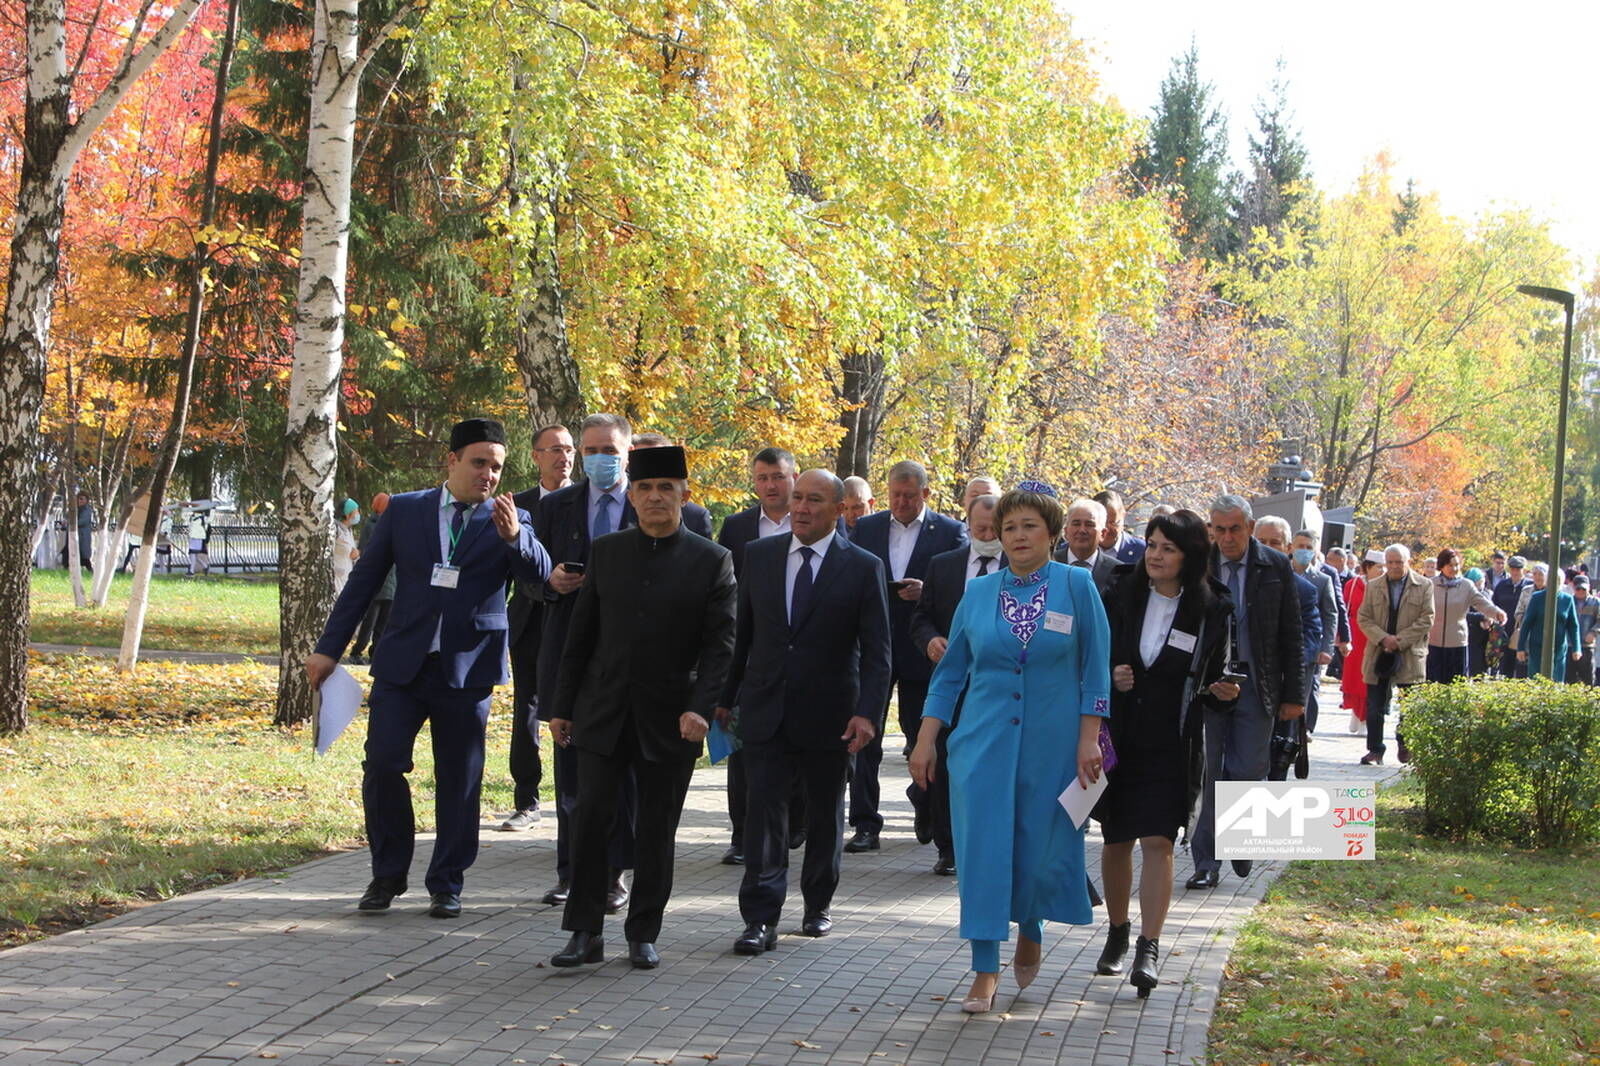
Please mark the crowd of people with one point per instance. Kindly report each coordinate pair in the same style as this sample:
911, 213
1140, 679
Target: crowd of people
1029, 643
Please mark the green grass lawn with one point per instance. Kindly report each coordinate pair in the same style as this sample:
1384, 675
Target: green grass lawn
130, 790
235, 614
1434, 954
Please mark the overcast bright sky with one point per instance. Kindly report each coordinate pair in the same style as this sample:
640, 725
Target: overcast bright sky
1484, 109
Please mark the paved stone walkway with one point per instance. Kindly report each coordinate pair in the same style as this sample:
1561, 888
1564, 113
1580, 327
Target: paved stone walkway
284, 967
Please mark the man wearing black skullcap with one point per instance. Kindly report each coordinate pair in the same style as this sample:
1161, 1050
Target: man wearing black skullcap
442, 654
647, 653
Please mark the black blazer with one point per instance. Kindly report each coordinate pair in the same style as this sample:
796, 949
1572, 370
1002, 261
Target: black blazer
1272, 612
942, 588
939, 534
1125, 606
525, 609
562, 523
650, 637
808, 680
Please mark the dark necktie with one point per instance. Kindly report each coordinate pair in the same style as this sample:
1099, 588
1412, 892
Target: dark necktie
602, 516
1081, 562
983, 565
802, 587
457, 522
1236, 587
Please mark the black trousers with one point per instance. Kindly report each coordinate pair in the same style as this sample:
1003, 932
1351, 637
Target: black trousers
661, 787
739, 799
939, 796
1377, 709
373, 623
864, 770
774, 766
568, 774
526, 770
456, 719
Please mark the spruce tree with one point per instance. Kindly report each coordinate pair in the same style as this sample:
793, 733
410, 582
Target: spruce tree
1188, 150
1278, 173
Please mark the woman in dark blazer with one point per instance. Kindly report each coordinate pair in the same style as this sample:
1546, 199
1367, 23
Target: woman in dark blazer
1169, 624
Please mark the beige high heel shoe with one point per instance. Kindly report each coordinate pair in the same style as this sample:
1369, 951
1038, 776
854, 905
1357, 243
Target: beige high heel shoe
980, 1004
1025, 972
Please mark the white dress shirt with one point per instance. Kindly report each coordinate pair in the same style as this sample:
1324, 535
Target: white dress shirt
766, 527
1159, 613
902, 542
974, 561
796, 559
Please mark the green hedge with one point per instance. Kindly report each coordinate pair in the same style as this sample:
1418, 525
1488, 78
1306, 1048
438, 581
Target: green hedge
1512, 760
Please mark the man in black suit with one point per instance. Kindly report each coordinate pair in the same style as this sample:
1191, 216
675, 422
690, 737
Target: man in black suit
904, 538
942, 589
1268, 642
772, 474
1086, 527
566, 522
858, 502
552, 457
646, 659
810, 676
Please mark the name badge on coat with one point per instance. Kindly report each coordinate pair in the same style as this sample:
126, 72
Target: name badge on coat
1056, 622
1181, 640
445, 576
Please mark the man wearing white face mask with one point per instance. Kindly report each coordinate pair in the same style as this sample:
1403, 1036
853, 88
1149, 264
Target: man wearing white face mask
567, 523
942, 588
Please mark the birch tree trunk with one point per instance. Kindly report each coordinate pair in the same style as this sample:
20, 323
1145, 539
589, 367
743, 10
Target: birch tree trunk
544, 359
51, 144
139, 594
305, 564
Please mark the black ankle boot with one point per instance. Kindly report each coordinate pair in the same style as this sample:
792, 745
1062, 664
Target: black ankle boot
1145, 955
1116, 947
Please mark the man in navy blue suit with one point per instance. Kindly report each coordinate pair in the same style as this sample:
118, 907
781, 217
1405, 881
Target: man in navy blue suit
810, 676
772, 475
453, 549
568, 521
904, 538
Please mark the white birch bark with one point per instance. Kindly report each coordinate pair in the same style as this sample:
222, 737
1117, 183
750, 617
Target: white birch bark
311, 450
52, 143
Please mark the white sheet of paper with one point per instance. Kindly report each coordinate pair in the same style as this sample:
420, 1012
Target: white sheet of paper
1078, 801
338, 703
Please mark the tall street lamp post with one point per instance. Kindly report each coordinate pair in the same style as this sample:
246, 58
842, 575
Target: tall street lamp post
1547, 646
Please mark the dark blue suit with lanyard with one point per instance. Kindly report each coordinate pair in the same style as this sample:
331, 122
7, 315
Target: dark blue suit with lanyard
440, 658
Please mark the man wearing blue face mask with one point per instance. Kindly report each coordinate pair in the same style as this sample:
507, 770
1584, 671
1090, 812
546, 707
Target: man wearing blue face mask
567, 523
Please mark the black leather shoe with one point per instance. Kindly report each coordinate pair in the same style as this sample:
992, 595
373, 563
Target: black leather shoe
558, 895
381, 892
1116, 947
1242, 867
642, 954
734, 856
755, 939
1372, 758
617, 894
445, 905
924, 825
797, 839
864, 840
945, 866
582, 948
818, 924
1143, 975
1204, 879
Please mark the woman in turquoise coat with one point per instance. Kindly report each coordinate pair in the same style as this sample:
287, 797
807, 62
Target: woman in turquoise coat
1566, 630
1031, 649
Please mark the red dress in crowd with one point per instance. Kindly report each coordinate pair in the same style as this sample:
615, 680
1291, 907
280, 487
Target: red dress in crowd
1352, 679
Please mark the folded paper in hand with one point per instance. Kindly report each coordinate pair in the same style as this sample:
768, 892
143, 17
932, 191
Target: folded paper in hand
1078, 801
338, 702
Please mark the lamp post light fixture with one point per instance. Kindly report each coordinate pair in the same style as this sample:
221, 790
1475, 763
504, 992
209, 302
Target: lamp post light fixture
1547, 646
